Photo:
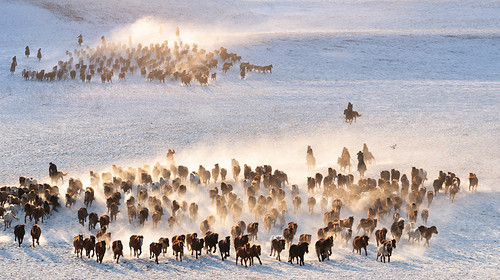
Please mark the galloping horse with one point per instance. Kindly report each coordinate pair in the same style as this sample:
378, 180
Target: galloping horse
351, 115
361, 164
344, 160
310, 160
368, 156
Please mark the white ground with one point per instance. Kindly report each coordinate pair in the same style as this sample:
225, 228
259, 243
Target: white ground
424, 74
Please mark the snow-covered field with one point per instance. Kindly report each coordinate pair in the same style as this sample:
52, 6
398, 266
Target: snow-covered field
424, 74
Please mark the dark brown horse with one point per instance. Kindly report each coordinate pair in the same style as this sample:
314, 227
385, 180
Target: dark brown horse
361, 164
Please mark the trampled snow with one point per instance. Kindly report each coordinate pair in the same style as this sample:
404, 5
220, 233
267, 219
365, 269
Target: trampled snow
424, 74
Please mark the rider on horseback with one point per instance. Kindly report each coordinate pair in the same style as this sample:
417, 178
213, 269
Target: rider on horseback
344, 160
80, 39
350, 114
309, 151
52, 169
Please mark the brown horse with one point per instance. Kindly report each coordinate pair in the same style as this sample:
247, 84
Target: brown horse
343, 164
361, 164
351, 115
473, 182
58, 176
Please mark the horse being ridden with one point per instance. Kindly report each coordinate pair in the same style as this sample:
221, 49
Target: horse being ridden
344, 160
13, 67
350, 115
369, 158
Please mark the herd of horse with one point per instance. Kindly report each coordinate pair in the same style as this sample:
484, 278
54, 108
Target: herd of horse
262, 193
155, 62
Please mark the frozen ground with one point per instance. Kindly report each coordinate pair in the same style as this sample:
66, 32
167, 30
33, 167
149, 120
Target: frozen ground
425, 76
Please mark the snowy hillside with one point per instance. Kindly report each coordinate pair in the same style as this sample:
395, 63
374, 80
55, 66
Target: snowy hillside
424, 74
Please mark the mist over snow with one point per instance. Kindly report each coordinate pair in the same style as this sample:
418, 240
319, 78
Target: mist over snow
424, 75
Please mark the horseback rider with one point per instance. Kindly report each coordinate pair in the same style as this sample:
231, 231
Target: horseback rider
80, 39
13, 67
360, 158
350, 114
52, 169
344, 160
368, 156
309, 150
346, 157
349, 107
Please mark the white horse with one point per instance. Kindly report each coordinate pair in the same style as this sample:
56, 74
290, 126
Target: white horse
383, 251
13, 208
346, 235
8, 218
415, 235
310, 161
282, 218
194, 179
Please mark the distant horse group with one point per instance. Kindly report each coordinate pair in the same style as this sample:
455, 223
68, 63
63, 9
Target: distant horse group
182, 62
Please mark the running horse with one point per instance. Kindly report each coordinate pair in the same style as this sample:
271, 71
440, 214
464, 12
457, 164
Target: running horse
361, 164
344, 160
310, 160
351, 115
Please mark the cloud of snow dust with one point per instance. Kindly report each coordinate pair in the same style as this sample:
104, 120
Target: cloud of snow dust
152, 30
289, 155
